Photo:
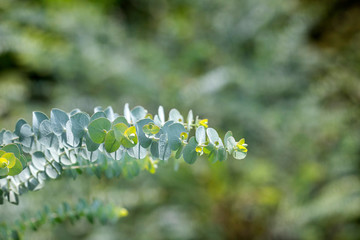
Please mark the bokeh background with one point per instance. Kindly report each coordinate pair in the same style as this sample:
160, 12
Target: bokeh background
282, 74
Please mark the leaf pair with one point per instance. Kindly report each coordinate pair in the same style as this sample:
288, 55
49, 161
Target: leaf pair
10, 164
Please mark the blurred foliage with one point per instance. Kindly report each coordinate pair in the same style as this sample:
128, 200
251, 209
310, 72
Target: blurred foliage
284, 74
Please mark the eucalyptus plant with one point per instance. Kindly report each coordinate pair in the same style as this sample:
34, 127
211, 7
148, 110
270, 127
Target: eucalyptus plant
104, 142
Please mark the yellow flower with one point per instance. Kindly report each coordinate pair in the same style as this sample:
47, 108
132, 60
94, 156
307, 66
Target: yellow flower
204, 123
241, 145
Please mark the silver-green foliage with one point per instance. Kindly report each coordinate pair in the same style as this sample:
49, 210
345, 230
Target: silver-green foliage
104, 213
105, 143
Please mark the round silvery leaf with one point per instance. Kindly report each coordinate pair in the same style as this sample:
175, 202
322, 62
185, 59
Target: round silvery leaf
200, 135
175, 116
79, 123
58, 119
37, 118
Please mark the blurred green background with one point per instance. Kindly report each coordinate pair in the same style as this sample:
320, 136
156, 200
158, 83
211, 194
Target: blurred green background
282, 74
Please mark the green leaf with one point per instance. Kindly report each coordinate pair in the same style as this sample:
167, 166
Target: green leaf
154, 150
11, 159
111, 144
58, 119
213, 156
179, 152
4, 172
143, 127
16, 169
97, 115
130, 138
98, 129
23, 160
174, 131
189, 153
222, 154
120, 119
90, 145
12, 148
127, 136
150, 128
119, 130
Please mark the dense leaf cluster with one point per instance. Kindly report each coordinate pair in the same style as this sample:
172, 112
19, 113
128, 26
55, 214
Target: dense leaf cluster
106, 142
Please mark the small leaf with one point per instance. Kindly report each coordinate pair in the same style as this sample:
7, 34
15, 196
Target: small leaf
164, 148
79, 123
111, 144
58, 119
11, 159
109, 112
143, 127
154, 150
51, 172
16, 169
98, 129
97, 115
38, 117
161, 114
12, 148
222, 154
130, 138
174, 131
119, 130
239, 155
90, 145
213, 136
46, 135
127, 113
39, 160
189, 153
18, 126
138, 113
227, 136
175, 116
120, 119
200, 135
25, 131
